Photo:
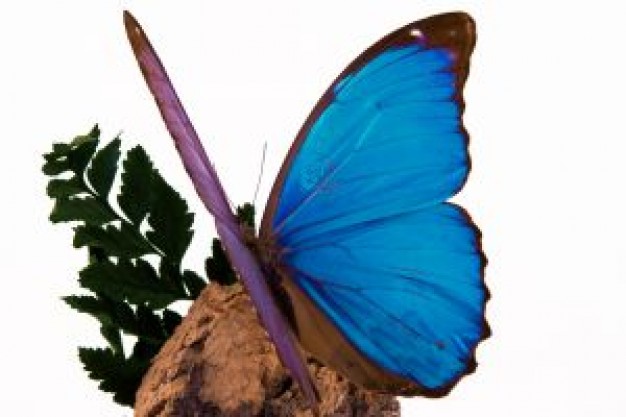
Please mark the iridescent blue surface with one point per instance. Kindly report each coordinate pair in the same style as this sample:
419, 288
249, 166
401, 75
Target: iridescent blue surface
404, 290
363, 222
391, 134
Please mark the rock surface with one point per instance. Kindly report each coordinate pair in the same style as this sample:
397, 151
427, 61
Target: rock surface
220, 362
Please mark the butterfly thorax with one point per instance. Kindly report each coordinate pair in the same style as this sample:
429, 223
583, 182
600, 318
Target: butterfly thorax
264, 249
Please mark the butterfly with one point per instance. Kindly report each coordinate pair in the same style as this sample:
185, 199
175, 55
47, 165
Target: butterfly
360, 259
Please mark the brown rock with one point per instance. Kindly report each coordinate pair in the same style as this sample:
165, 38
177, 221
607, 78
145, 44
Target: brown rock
220, 362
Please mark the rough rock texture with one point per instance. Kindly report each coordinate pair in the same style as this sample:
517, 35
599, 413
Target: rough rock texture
220, 362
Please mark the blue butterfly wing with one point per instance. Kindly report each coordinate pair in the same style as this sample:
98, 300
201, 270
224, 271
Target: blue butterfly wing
405, 290
359, 219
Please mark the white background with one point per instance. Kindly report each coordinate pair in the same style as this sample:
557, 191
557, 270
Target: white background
545, 112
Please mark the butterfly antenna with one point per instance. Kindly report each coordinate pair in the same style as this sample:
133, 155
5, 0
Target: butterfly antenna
258, 182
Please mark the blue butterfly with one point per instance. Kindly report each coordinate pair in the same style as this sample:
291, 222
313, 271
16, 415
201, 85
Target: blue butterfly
377, 275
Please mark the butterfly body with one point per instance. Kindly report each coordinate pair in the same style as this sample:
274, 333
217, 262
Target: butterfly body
360, 260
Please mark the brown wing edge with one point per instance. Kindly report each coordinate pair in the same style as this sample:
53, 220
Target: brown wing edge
455, 32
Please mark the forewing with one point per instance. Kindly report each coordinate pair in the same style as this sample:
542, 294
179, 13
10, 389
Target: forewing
387, 130
210, 191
